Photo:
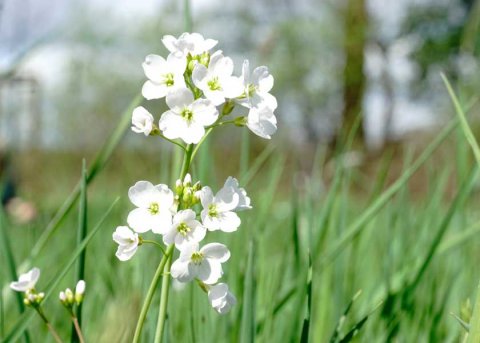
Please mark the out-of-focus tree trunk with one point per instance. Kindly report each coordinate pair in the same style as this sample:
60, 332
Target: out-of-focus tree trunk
356, 21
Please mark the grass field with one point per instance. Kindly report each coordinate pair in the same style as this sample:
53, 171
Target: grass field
307, 249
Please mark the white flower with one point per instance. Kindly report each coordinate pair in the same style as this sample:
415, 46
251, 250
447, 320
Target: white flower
127, 241
27, 281
221, 299
216, 81
187, 118
154, 204
217, 213
142, 121
164, 76
243, 199
204, 264
185, 229
257, 87
188, 43
262, 122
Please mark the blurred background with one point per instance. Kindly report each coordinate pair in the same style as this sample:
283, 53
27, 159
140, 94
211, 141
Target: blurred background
69, 69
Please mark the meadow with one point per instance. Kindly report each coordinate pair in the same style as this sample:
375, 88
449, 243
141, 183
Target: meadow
328, 254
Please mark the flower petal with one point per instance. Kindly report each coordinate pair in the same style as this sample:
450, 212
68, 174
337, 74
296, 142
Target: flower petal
216, 251
140, 194
179, 99
151, 90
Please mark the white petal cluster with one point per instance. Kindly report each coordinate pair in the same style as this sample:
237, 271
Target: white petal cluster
27, 281
196, 84
154, 207
221, 299
127, 241
204, 264
201, 91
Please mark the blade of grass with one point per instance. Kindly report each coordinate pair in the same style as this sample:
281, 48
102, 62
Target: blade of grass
22, 322
341, 320
98, 164
247, 333
11, 265
255, 167
463, 120
355, 228
306, 321
81, 234
474, 333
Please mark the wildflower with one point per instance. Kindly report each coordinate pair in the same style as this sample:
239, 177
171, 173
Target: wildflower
216, 81
217, 213
142, 121
204, 264
154, 205
185, 229
127, 241
262, 122
26, 282
257, 87
243, 200
221, 299
188, 43
164, 76
187, 118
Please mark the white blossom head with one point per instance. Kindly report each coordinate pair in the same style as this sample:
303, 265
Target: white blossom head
164, 76
184, 230
243, 200
154, 207
127, 241
257, 87
187, 117
216, 81
262, 122
204, 264
221, 299
188, 43
217, 213
27, 281
142, 121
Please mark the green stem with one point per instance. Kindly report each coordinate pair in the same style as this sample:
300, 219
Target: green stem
76, 324
150, 293
172, 141
200, 143
188, 159
221, 123
162, 313
155, 243
48, 324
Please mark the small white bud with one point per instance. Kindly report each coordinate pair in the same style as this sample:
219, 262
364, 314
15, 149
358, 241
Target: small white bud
62, 296
69, 295
79, 291
187, 181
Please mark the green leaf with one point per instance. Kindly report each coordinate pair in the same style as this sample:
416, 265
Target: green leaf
247, 333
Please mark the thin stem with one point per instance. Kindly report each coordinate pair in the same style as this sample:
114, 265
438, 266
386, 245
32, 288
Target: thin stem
221, 123
78, 329
200, 143
48, 324
150, 293
187, 159
153, 242
162, 313
172, 141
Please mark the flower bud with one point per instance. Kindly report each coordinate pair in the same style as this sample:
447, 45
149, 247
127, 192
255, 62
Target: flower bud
26, 302
228, 107
178, 187
187, 196
187, 180
205, 58
79, 291
240, 121
63, 297
69, 294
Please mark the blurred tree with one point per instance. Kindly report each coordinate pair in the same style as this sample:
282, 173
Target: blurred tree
355, 26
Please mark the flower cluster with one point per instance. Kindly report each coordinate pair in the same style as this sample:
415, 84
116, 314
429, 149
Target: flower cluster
183, 218
201, 92
195, 84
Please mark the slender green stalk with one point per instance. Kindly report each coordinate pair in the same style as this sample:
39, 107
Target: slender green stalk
48, 324
154, 243
81, 234
162, 313
172, 141
187, 16
78, 329
150, 293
